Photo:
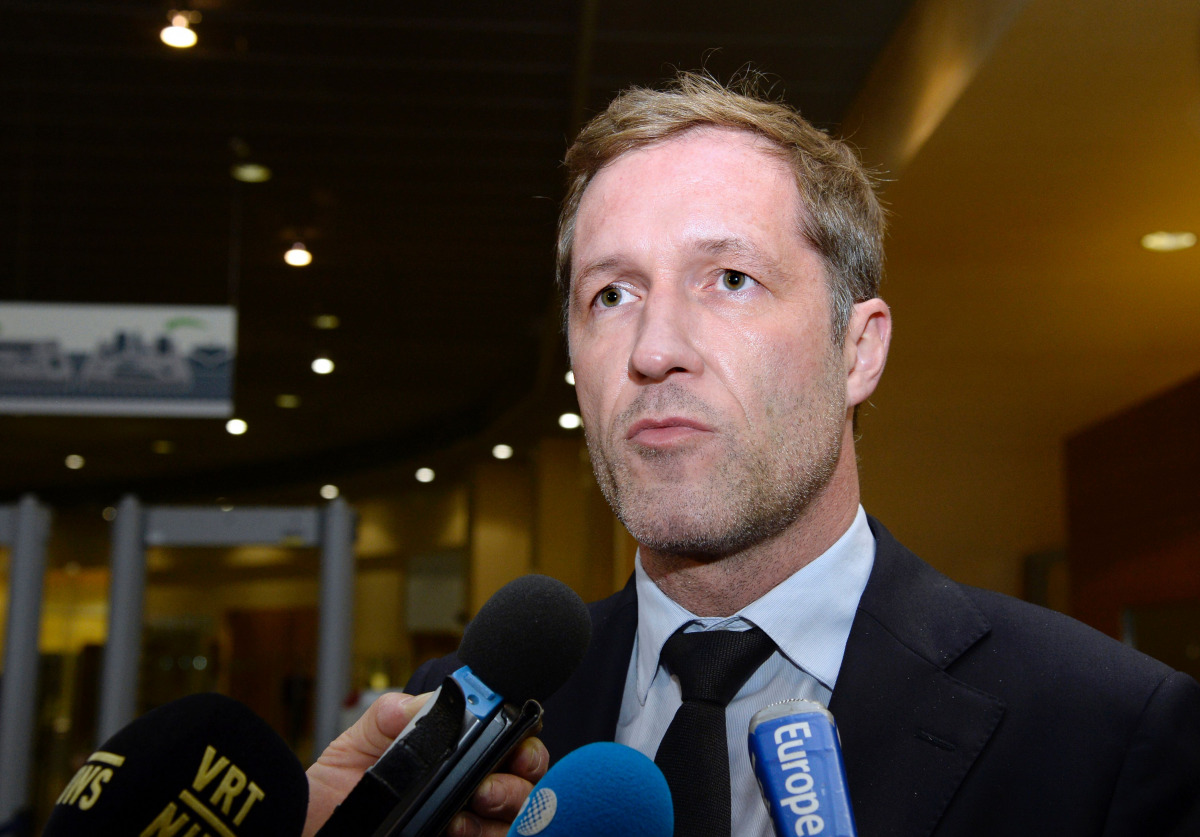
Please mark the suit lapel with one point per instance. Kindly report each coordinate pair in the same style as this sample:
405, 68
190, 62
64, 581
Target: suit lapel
588, 705
910, 731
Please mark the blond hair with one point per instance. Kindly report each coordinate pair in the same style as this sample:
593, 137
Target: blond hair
842, 218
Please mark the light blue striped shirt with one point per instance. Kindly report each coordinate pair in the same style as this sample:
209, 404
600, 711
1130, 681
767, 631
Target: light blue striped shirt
808, 616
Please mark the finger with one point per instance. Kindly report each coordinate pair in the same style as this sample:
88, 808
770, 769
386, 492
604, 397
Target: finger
374, 731
466, 824
385, 719
529, 760
500, 796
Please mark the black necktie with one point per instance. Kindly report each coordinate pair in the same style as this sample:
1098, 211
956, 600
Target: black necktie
694, 756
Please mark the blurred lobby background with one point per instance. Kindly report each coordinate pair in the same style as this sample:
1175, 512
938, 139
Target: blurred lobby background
1035, 433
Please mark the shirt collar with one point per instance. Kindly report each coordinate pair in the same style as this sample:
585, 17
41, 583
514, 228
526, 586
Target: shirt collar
808, 615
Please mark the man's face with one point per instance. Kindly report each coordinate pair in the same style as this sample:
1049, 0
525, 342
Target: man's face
713, 399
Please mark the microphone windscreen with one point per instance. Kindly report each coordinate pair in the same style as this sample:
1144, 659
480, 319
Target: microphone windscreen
204, 764
528, 638
599, 790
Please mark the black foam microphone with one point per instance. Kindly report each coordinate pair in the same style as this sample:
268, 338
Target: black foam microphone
204, 764
522, 645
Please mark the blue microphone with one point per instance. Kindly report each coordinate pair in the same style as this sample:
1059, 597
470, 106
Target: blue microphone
599, 790
797, 760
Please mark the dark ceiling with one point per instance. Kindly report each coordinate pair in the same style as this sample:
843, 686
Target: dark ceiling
415, 149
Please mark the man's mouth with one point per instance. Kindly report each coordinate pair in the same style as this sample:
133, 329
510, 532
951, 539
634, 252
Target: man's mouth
658, 432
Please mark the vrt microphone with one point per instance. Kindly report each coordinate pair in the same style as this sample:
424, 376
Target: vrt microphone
797, 759
202, 765
599, 790
523, 644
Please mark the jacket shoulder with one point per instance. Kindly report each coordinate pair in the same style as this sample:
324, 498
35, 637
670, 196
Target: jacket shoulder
1017, 697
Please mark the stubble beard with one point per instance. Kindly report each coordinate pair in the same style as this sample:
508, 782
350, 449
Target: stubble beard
752, 490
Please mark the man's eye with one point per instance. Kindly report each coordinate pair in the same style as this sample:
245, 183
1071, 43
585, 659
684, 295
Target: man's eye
611, 297
734, 280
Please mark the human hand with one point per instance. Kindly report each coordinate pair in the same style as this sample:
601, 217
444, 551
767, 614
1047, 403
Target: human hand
500, 796
337, 771
491, 809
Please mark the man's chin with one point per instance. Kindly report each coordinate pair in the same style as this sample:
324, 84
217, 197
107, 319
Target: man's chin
687, 538
700, 524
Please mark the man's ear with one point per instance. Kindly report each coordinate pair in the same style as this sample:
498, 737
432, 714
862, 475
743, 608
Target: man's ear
865, 351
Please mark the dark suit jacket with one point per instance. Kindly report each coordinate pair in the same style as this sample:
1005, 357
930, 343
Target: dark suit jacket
961, 712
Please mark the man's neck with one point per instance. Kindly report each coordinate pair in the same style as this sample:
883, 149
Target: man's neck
725, 585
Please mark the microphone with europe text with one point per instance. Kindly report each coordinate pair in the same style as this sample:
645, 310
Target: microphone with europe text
204, 764
523, 644
599, 790
797, 760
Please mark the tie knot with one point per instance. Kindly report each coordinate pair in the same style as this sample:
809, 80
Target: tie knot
713, 665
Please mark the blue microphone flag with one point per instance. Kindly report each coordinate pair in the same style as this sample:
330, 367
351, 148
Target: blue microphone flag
797, 760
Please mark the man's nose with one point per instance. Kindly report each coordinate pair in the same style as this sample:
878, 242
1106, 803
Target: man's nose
665, 340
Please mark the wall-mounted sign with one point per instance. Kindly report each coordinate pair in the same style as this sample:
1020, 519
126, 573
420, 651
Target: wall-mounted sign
117, 360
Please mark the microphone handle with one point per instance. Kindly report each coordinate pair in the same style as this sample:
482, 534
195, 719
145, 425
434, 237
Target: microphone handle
430, 771
457, 780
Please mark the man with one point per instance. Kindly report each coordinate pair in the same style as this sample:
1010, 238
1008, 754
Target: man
721, 260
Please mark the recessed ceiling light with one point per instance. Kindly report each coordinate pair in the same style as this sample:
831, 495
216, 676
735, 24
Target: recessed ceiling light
74, 462
570, 421
570, 377
1166, 242
287, 402
502, 451
179, 34
329, 492
322, 366
236, 427
250, 172
298, 255
424, 475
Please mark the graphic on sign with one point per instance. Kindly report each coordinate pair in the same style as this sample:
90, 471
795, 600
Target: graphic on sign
117, 360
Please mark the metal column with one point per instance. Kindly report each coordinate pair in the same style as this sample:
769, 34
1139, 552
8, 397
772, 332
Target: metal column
25, 527
136, 527
336, 614
123, 648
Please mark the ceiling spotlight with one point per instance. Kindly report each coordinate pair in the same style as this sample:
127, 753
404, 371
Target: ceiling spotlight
570, 421
180, 34
329, 492
502, 452
236, 427
322, 366
74, 462
424, 475
298, 255
248, 172
287, 402
570, 377
1166, 242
